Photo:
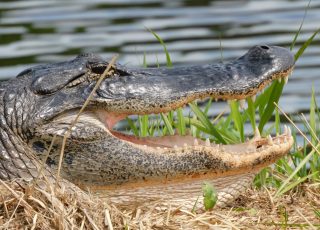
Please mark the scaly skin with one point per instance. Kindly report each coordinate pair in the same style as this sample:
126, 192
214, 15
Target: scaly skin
44, 100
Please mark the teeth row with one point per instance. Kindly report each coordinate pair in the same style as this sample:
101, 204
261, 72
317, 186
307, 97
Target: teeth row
257, 136
217, 146
242, 102
196, 143
287, 130
285, 80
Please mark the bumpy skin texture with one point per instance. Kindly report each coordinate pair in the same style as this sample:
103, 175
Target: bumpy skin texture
158, 89
42, 102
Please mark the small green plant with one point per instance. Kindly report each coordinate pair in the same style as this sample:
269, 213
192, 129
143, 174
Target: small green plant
284, 216
210, 196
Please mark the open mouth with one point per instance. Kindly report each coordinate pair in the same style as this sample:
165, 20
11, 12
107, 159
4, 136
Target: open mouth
179, 143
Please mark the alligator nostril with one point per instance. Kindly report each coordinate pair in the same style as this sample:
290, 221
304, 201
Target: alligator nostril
264, 47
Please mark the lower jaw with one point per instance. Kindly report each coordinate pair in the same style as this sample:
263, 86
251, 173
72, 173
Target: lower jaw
166, 182
181, 194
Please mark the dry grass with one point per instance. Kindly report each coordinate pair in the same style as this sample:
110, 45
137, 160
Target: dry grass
53, 207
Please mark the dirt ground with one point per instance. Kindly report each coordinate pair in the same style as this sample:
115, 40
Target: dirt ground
29, 207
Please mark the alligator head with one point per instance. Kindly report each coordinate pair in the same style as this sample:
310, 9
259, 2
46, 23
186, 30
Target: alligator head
43, 101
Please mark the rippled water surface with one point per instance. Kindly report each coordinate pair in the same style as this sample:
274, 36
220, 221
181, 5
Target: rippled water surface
48, 31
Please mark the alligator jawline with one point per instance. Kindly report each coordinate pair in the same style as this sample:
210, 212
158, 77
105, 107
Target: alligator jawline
177, 143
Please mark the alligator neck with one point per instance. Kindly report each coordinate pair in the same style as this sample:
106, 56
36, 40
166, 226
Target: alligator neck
16, 156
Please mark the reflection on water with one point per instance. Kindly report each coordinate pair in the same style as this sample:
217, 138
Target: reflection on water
38, 31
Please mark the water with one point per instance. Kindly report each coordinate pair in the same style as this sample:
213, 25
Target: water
38, 31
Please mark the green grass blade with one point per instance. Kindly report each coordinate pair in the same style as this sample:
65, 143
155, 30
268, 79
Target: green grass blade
197, 124
143, 122
313, 117
302, 163
169, 63
250, 111
145, 64
263, 99
181, 122
167, 124
317, 212
305, 45
297, 181
133, 127
206, 122
208, 106
276, 93
237, 118
301, 24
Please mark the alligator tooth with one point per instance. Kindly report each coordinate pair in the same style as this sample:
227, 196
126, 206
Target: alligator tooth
257, 134
285, 131
216, 99
145, 146
207, 142
253, 98
185, 145
270, 141
289, 131
242, 103
165, 148
158, 148
286, 79
175, 146
195, 142
279, 80
278, 141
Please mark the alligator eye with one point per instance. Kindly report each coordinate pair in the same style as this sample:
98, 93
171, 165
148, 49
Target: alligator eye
99, 69
264, 47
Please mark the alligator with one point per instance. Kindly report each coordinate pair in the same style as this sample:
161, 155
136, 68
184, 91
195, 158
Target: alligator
40, 104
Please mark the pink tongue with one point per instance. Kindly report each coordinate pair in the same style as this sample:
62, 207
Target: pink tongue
110, 119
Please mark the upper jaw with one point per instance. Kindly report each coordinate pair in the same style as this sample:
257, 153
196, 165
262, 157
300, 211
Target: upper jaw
155, 90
